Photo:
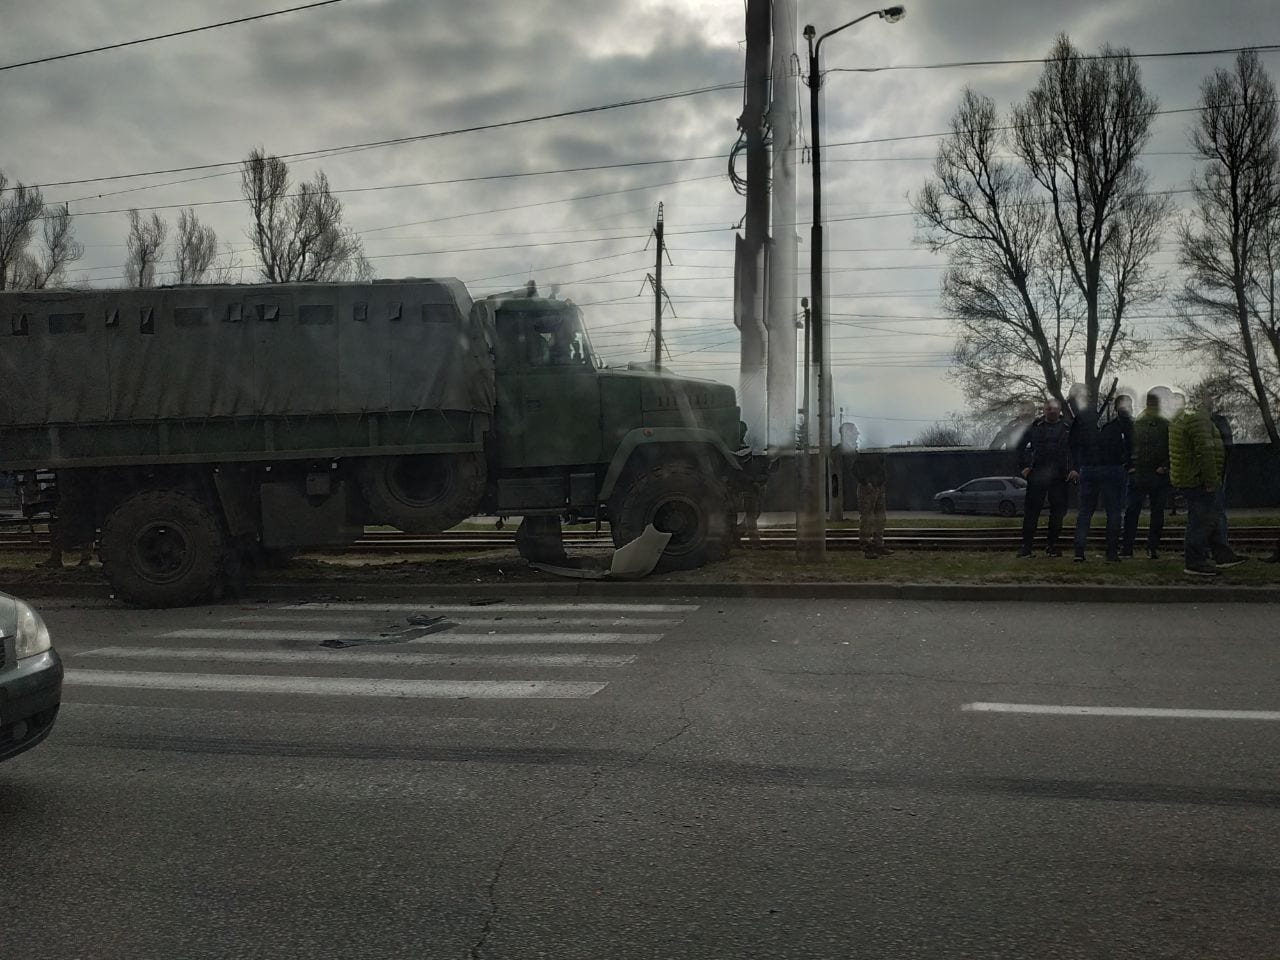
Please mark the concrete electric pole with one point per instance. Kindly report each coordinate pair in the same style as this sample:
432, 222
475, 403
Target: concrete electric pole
749, 260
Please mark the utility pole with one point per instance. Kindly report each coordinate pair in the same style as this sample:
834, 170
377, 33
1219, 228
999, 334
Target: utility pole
657, 293
816, 547
805, 532
749, 265
781, 286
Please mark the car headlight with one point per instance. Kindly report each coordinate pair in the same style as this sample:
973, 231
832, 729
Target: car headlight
33, 635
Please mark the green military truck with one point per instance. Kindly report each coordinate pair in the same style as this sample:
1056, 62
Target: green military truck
195, 430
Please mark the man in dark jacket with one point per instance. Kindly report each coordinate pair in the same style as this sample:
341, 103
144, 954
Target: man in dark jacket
1103, 453
1044, 460
1222, 424
869, 472
1148, 478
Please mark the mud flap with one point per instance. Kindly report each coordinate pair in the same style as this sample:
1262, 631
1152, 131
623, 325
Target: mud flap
540, 540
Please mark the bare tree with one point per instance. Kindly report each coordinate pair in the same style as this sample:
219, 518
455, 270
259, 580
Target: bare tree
20, 208
195, 248
145, 245
956, 430
21, 267
1229, 245
1080, 133
228, 268
299, 235
1016, 313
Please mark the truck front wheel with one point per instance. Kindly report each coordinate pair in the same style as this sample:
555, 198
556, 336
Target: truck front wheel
163, 548
695, 508
423, 494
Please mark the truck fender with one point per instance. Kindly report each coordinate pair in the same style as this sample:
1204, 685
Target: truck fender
706, 440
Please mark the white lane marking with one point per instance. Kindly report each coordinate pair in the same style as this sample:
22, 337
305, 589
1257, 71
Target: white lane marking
1077, 711
340, 686
305, 618
620, 608
410, 658
450, 637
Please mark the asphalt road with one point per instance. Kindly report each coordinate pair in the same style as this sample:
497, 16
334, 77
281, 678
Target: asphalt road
715, 779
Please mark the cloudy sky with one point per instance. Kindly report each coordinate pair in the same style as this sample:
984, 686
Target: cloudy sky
364, 70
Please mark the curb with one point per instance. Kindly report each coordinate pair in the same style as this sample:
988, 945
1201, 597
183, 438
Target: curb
920, 592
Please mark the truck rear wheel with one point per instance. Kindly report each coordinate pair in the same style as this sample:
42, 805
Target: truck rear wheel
695, 508
163, 548
423, 494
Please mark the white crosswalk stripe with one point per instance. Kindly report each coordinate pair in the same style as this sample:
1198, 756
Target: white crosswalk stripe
390, 650
215, 654
451, 637
340, 686
346, 616
549, 608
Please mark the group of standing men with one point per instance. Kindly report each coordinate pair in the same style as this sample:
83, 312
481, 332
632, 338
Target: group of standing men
1126, 463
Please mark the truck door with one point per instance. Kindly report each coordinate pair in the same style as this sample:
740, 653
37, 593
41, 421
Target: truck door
559, 413
509, 364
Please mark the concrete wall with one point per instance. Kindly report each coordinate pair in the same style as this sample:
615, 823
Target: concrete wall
915, 475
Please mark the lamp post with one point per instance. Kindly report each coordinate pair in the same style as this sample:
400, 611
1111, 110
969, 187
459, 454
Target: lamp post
812, 542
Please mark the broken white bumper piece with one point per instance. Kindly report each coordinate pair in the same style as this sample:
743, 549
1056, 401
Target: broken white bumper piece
631, 561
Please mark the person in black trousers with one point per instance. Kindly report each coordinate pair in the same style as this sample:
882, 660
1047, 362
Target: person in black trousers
1044, 460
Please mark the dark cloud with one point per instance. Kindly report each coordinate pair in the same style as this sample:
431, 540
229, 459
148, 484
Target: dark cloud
365, 70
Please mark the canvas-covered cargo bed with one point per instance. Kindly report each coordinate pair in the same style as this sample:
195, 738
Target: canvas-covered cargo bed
181, 374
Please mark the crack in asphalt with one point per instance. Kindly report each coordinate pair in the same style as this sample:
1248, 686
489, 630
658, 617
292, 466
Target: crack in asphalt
597, 777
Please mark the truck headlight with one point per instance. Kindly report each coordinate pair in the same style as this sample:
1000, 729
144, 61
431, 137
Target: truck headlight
33, 635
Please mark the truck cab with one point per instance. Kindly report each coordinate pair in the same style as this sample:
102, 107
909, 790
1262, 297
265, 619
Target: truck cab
574, 437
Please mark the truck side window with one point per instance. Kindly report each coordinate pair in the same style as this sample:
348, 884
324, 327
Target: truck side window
21, 326
113, 317
269, 312
235, 312
360, 312
147, 320
396, 311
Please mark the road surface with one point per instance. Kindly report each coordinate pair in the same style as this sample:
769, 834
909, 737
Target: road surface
701, 779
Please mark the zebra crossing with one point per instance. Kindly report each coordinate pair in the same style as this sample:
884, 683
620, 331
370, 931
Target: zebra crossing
406, 651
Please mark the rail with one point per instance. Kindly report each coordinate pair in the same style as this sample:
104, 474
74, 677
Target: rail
773, 538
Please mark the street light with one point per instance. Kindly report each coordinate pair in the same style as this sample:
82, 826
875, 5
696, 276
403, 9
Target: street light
812, 543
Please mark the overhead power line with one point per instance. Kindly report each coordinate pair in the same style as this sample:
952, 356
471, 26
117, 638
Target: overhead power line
414, 138
167, 36
339, 150
954, 64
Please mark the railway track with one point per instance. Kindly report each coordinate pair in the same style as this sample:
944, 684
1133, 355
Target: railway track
774, 538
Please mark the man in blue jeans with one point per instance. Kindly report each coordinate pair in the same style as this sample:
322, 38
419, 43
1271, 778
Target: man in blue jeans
1103, 453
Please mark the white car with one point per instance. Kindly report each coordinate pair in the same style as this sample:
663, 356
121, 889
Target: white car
30, 678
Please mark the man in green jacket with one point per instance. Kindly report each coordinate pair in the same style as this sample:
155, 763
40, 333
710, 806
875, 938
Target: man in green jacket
1148, 478
1196, 459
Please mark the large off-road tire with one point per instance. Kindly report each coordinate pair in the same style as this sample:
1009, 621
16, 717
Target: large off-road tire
423, 494
694, 507
164, 548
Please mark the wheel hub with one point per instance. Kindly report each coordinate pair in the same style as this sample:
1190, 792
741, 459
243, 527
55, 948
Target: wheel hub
420, 482
678, 517
162, 552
